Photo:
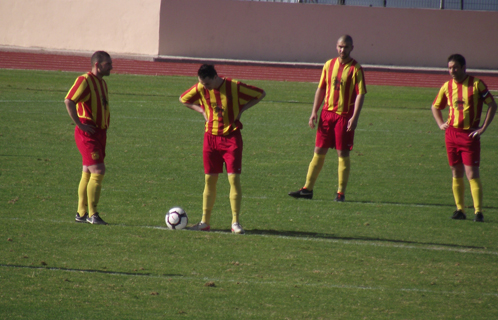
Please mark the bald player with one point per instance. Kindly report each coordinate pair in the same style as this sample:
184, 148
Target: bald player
342, 91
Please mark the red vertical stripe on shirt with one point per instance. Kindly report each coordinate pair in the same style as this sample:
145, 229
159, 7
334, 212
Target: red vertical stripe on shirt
348, 97
219, 109
329, 83
460, 104
470, 96
98, 117
336, 87
450, 102
208, 109
229, 97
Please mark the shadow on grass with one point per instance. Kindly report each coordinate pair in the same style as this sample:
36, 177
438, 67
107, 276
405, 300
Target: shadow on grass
90, 271
315, 235
449, 211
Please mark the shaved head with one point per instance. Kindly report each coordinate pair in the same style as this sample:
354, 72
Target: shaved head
346, 39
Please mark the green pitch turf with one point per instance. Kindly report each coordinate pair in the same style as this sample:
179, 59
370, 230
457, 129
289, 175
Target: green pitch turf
390, 252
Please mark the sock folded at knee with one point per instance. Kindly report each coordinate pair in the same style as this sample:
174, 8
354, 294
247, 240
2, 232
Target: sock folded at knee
93, 192
235, 196
476, 190
458, 187
209, 196
344, 167
82, 193
314, 169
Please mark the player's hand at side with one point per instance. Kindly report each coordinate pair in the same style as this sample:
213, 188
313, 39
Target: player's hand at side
352, 123
90, 129
312, 121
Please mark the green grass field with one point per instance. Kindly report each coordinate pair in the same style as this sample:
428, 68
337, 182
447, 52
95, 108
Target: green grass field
390, 252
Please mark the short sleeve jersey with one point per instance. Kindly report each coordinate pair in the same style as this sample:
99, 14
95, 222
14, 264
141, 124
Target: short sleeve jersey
222, 105
92, 101
465, 101
343, 83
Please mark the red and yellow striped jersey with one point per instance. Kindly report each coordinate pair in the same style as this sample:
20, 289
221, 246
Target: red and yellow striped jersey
222, 105
465, 101
343, 82
92, 101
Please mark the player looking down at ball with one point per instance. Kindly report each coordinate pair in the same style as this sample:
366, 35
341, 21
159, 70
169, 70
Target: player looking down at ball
464, 95
87, 103
342, 87
221, 101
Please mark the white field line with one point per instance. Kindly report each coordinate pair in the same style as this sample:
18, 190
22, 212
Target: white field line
374, 243
251, 282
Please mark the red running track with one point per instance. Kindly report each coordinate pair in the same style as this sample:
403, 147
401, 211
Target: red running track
250, 71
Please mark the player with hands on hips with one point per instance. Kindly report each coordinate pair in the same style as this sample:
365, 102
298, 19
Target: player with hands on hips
464, 96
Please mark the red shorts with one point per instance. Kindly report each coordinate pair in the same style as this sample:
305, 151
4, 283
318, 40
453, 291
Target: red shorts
332, 132
461, 148
91, 147
222, 149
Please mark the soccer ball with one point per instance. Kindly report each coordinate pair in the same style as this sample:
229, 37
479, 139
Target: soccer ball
176, 218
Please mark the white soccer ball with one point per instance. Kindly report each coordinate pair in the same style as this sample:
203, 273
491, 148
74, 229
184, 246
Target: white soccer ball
176, 218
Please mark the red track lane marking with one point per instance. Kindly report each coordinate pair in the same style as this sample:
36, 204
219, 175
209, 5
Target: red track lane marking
373, 76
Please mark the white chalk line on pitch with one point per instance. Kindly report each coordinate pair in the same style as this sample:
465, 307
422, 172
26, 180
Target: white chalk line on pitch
373, 242
239, 281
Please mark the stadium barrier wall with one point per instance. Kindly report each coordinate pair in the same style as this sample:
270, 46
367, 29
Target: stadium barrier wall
248, 30
308, 33
117, 26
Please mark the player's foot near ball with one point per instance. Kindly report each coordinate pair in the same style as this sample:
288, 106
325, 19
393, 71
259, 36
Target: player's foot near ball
340, 197
302, 193
237, 228
479, 217
201, 226
78, 218
459, 215
95, 219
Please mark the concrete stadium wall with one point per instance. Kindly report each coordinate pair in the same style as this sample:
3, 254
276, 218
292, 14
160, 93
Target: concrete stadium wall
117, 26
308, 33
248, 30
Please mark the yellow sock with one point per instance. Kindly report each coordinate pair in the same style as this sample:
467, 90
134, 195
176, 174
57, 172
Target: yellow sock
82, 194
476, 190
314, 169
344, 166
458, 192
209, 196
235, 196
93, 192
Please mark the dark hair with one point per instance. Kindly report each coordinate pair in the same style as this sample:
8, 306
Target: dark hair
207, 71
457, 58
99, 56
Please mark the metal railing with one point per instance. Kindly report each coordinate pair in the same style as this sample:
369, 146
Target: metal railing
484, 5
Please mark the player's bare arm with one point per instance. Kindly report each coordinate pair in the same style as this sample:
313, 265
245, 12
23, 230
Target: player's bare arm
195, 107
358, 105
317, 102
490, 114
438, 116
71, 110
250, 104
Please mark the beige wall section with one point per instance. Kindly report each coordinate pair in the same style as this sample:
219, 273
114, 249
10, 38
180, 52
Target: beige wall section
117, 26
307, 33
250, 30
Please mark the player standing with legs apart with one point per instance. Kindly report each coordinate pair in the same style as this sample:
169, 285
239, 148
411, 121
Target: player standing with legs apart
87, 103
465, 96
221, 101
342, 87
